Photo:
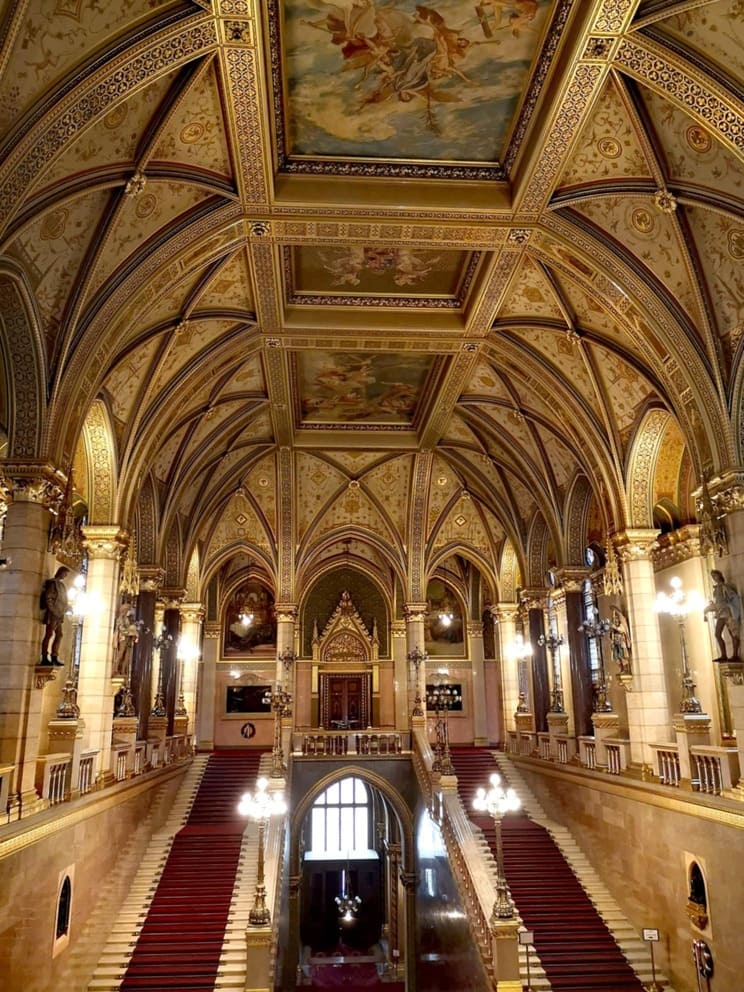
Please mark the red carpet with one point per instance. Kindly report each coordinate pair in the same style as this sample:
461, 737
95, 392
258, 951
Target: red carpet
178, 949
575, 947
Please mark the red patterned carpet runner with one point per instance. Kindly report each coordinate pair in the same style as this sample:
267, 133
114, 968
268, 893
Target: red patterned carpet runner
577, 951
178, 949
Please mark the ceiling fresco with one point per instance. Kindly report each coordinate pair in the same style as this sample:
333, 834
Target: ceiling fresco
359, 388
404, 81
378, 274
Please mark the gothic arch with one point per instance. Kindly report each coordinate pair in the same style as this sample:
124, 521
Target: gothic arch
100, 456
25, 367
643, 461
577, 515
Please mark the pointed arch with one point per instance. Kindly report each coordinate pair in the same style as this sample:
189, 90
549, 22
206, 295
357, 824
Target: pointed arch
576, 519
101, 462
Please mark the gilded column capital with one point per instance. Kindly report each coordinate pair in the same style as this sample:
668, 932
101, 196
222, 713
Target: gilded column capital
677, 546
285, 612
32, 482
150, 577
172, 597
416, 612
191, 612
727, 491
105, 541
571, 577
505, 612
212, 630
398, 628
635, 544
534, 598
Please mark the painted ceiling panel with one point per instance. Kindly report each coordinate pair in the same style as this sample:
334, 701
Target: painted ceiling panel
463, 526
261, 484
318, 481
352, 508
484, 380
247, 378
459, 432
390, 483
184, 345
231, 287
113, 139
693, 154
445, 483
164, 459
218, 418
57, 33
714, 31
196, 134
562, 462
355, 461
653, 237
141, 216
52, 249
531, 295
238, 522
125, 381
564, 356
625, 389
608, 147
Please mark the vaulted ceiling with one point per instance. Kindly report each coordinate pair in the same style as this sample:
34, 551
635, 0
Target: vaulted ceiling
316, 257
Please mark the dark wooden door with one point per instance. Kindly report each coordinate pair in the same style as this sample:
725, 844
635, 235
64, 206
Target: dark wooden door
346, 702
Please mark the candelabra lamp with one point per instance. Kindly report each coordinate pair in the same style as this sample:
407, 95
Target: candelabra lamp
497, 802
261, 806
417, 657
595, 629
553, 642
160, 644
679, 604
81, 604
279, 700
442, 699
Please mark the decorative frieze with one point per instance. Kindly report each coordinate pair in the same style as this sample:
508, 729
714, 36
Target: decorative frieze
676, 547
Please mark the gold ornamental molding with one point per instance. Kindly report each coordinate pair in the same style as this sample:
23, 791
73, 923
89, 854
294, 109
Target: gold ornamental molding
676, 547
635, 544
105, 541
471, 233
151, 577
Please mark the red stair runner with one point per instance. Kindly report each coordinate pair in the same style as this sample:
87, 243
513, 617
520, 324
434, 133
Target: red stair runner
577, 951
178, 949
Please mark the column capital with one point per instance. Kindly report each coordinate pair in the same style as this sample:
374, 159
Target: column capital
172, 597
415, 612
534, 598
727, 491
677, 546
150, 577
571, 577
191, 612
635, 544
398, 628
504, 612
106, 541
212, 630
285, 612
32, 482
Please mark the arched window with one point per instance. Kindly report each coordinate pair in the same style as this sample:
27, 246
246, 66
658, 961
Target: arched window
590, 616
341, 820
63, 908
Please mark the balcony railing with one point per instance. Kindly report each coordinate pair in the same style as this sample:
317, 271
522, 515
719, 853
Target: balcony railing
717, 768
331, 743
666, 763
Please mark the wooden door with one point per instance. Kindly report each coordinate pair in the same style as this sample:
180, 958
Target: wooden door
345, 701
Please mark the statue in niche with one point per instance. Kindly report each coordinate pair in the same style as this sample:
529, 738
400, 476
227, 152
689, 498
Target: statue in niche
725, 606
620, 640
126, 635
53, 604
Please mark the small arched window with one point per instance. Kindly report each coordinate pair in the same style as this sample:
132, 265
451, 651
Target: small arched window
341, 819
64, 903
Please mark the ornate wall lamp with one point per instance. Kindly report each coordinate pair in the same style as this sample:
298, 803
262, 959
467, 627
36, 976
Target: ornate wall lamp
417, 657
553, 640
287, 658
261, 806
279, 700
497, 802
678, 604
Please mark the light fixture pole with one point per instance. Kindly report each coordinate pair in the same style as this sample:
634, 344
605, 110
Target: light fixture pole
552, 640
261, 806
160, 643
498, 802
417, 657
678, 604
279, 700
442, 699
595, 629
287, 658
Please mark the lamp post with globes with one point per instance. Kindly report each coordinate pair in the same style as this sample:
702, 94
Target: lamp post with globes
279, 699
595, 629
497, 802
261, 806
442, 699
553, 640
417, 657
679, 604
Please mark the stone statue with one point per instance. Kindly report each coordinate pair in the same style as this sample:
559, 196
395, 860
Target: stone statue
53, 604
620, 640
726, 609
126, 635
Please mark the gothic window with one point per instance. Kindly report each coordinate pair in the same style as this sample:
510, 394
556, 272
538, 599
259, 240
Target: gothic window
341, 820
589, 609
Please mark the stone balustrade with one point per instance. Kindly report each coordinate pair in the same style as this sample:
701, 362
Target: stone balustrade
330, 743
666, 763
717, 768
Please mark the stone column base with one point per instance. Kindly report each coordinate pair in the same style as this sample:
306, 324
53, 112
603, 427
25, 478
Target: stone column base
605, 726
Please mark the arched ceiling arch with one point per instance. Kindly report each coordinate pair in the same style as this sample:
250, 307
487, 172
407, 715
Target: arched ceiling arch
300, 321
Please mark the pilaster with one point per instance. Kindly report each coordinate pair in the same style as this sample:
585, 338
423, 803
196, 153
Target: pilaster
400, 673
207, 689
189, 652
475, 644
505, 615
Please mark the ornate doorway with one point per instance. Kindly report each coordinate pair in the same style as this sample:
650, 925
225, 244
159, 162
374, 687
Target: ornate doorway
345, 700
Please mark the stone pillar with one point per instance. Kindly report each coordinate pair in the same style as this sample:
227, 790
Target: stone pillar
21, 580
690, 729
606, 727
505, 615
733, 673
143, 684
400, 673
415, 614
534, 600
648, 707
480, 724
104, 544
172, 599
207, 686
561, 660
192, 615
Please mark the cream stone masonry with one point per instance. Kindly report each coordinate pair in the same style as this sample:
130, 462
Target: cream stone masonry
104, 545
648, 703
400, 672
478, 694
415, 614
207, 686
192, 616
562, 654
505, 615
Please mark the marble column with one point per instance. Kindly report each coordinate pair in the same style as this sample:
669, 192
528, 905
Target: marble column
506, 615
143, 684
400, 674
189, 650
475, 643
25, 568
104, 544
534, 600
561, 662
172, 599
207, 685
648, 707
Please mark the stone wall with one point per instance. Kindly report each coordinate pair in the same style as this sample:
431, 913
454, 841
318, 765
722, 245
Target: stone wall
642, 841
99, 843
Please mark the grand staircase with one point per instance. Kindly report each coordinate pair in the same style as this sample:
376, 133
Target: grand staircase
176, 944
576, 949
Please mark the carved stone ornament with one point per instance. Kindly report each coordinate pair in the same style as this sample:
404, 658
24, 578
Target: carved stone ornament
135, 185
102, 541
697, 914
677, 546
415, 612
734, 671
635, 545
151, 578
43, 674
34, 482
